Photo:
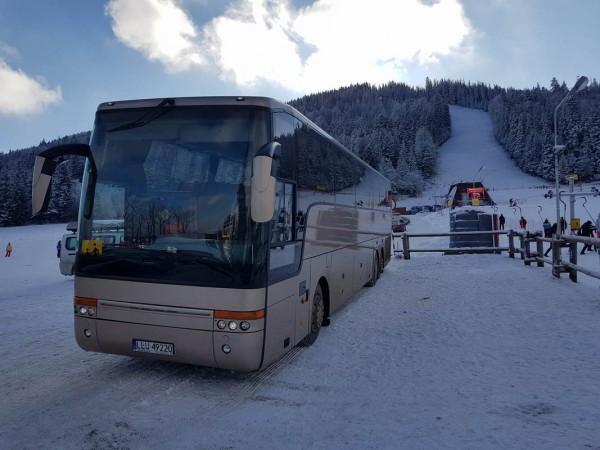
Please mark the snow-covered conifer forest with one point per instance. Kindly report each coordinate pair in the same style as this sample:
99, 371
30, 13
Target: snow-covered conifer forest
394, 127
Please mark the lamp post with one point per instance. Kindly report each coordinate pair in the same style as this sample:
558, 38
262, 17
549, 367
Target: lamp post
580, 85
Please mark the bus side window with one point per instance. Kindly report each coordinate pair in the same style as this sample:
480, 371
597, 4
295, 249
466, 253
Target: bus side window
283, 226
285, 128
284, 259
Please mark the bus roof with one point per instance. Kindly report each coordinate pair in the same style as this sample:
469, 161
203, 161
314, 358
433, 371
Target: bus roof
263, 102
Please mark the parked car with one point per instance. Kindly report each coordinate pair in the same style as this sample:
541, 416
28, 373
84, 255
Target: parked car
68, 248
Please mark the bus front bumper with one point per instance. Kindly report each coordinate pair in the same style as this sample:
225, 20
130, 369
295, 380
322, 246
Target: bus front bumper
197, 347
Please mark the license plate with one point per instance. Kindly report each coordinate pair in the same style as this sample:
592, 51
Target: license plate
158, 348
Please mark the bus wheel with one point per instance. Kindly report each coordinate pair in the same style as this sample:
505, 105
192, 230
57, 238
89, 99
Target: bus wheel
375, 272
318, 311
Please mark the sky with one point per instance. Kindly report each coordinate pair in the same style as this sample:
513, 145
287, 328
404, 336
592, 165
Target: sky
60, 58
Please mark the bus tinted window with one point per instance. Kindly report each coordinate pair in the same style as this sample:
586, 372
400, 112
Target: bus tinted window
285, 129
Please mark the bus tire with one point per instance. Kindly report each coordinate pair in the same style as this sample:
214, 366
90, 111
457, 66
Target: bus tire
316, 318
375, 272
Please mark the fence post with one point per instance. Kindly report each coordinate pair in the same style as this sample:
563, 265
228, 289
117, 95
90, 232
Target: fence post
511, 244
405, 246
522, 246
527, 243
556, 257
540, 251
573, 260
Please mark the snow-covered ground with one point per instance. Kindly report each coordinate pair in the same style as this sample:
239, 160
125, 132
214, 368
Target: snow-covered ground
465, 352
444, 352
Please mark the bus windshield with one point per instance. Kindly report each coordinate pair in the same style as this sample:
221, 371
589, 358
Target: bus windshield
175, 191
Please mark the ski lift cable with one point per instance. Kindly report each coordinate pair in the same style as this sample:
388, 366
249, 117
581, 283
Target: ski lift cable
585, 200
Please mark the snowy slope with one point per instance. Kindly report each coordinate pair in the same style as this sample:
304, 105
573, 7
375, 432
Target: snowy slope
472, 146
483, 353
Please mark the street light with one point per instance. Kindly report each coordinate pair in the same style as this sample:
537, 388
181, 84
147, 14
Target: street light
580, 85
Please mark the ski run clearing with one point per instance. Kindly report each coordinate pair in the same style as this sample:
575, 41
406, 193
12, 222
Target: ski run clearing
466, 352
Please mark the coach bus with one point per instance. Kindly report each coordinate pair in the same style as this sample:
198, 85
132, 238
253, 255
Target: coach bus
244, 228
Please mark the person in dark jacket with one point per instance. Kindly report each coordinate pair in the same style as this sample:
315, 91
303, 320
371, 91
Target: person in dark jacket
58, 249
553, 229
523, 223
587, 230
563, 225
547, 229
502, 221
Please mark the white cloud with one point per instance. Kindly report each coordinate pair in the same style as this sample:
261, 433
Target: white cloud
21, 95
160, 29
325, 45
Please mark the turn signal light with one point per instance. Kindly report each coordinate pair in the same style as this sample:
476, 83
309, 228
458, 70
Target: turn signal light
85, 306
240, 315
85, 301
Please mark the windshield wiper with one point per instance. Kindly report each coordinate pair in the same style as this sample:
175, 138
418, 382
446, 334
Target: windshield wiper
154, 113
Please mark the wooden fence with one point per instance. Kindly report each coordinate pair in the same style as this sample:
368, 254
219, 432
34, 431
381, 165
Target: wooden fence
530, 248
405, 250
530, 255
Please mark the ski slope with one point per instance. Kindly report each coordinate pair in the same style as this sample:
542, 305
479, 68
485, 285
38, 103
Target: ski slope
444, 352
472, 147
472, 154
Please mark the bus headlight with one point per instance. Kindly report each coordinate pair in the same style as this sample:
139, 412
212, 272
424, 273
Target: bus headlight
244, 326
221, 324
91, 312
233, 325
83, 310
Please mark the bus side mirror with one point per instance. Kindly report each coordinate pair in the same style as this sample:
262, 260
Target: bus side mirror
262, 197
43, 169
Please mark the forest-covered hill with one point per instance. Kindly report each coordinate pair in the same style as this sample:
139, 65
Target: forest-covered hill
395, 127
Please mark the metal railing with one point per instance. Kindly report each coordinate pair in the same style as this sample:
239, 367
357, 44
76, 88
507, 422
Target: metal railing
528, 255
405, 250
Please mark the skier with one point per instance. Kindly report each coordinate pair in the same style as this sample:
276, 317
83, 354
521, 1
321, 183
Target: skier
9, 250
523, 223
510, 202
553, 229
547, 229
587, 230
502, 221
58, 249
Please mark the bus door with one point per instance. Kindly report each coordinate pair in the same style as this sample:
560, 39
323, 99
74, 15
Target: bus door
285, 254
